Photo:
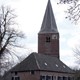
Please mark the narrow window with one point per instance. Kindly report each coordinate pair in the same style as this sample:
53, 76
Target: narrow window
15, 78
64, 78
54, 77
16, 73
32, 72
47, 39
69, 78
59, 78
12, 78
48, 78
42, 78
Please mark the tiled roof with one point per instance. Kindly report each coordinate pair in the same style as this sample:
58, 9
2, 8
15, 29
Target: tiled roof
41, 62
49, 24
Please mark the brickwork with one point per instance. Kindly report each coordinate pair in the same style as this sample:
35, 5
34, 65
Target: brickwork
29, 76
37, 74
50, 48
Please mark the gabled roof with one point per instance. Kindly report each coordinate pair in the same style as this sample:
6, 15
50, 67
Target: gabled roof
41, 62
49, 24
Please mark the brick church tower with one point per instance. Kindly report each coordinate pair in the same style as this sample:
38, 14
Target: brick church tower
48, 37
45, 65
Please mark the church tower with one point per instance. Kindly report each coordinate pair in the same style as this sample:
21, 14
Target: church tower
48, 37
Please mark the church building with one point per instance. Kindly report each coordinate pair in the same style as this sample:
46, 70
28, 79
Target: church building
46, 64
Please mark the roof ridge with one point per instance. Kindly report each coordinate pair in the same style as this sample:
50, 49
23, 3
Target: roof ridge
36, 62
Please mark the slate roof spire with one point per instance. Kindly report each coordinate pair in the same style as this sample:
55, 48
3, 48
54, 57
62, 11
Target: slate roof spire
49, 24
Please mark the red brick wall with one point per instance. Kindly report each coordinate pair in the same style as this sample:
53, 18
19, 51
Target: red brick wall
28, 76
51, 48
36, 76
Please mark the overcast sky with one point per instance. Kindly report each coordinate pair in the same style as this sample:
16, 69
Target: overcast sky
30, 15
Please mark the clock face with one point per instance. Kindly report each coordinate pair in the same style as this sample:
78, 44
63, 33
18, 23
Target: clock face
54, 36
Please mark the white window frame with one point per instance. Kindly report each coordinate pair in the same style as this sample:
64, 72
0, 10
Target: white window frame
49, 76
15, 77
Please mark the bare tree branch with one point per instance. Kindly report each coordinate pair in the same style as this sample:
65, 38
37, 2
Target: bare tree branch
77, 54
9, 37
68, 1
73, 12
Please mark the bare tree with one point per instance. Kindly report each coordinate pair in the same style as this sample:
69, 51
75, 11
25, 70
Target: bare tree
77, 54
68, 1
76, 51
9, 36
73, 12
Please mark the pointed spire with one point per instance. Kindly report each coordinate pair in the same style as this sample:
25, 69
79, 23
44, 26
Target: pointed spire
49, 24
